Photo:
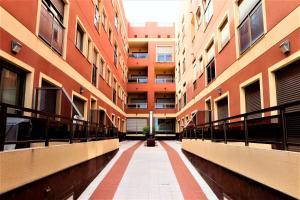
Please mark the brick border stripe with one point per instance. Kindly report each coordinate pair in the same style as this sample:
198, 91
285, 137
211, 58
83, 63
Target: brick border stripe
109, 185
188, 185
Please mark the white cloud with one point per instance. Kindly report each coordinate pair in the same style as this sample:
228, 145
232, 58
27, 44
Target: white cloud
162, 11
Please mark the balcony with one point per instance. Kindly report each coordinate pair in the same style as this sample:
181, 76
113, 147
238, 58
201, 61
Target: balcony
164, 79
138, 75
140, 80
164, 105
137, 105
138, 55
137, 100
165, 100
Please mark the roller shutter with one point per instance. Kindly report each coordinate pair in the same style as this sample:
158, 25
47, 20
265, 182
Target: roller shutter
222, 106
252, 97
288, 90
136, 124
288, 85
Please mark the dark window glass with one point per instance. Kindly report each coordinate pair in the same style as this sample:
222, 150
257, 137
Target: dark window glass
251, 28
51, 28
256, 23
11, 87
210, 72
79, 38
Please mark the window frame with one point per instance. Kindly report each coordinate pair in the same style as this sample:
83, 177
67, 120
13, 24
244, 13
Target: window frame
247, 19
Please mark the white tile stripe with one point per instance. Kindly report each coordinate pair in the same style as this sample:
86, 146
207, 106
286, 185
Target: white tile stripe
149, 175
87, 193
204, 186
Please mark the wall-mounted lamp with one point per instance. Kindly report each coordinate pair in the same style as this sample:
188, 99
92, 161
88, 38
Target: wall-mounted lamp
219, 91
15, 46
285, 47
81, 90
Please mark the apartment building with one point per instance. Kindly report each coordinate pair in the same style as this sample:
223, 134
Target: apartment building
74, 62
235, 57
151, 78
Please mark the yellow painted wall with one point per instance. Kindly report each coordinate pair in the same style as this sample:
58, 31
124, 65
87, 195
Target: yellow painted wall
23, 166
274, 168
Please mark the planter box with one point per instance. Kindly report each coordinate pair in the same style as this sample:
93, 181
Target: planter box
150, 142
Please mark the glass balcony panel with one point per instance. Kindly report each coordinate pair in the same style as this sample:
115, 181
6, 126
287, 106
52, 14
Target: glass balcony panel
138, 55
137, 105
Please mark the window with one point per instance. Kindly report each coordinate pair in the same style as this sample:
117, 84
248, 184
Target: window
104, 19
11, 86
183, 66
179, 104
210, 68
88, 50
108, 77
115, 54
164, 54
224, 33
198, 16
97, 15
116, 21
208, 11
195, 72
102, 63
51, 28
109, 34
79, 38
113, 118
94, 68
184, 99
201, 65
114, 94
195, 85
179, 72
251, 23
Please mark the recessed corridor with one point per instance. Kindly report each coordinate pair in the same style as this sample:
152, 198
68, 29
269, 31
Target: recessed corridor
140, 172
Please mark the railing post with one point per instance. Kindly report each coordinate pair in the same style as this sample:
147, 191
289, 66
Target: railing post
211, 131
71, 131
246, 130
47, 132
3, 119
284, 128
202, 129
86, 131
225, 132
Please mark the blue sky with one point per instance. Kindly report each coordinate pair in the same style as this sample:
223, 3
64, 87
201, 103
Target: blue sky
162, 11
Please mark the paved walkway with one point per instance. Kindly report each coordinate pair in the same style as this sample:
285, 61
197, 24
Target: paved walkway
141, 173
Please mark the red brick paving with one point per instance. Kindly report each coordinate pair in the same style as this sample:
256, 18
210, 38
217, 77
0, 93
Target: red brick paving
188, 185
108, 187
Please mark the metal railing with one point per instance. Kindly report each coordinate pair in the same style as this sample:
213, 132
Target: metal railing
137, 105
164, 105
278, 125
21, 127
138, 55
164, 80
137, 80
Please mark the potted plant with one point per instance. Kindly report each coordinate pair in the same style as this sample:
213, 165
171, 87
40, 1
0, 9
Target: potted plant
150, 138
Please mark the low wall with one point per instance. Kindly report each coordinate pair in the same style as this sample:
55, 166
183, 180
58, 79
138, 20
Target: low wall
23, 166
274, 168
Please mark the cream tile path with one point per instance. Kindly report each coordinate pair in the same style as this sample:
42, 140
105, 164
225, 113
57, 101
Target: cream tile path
149, 176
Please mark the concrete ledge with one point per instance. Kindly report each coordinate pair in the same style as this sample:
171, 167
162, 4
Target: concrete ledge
274, 168
19, 167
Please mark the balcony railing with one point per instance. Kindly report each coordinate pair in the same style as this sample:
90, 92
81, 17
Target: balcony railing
21, 127
137, 80
279, 127
164, 105
164, 80
138, 55
164, 58
137, 105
